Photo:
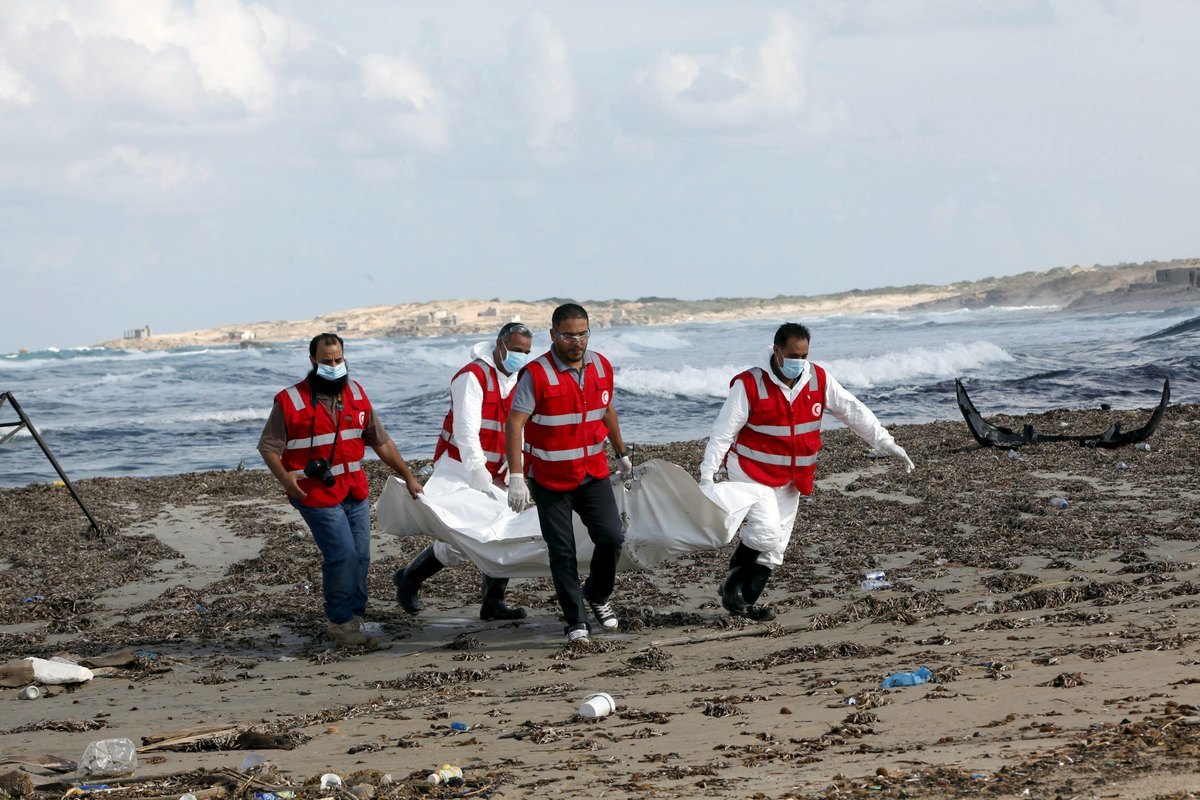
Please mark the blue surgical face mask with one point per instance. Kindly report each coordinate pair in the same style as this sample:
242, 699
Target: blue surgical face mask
515, 360
331, 373
793, 367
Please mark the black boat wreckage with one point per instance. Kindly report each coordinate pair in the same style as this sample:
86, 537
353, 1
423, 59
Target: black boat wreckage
989, 435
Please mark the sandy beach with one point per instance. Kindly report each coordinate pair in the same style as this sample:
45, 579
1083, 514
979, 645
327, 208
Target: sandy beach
1063, 642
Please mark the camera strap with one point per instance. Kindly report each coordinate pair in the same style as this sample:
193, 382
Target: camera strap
336, 412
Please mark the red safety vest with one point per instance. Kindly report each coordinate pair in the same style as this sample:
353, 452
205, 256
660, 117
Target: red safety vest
564, 437
780, 441
494, 415
310, 431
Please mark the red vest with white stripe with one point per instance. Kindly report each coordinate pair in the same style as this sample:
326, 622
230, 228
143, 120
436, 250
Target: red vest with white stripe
564, 437
494, 415
779, 443
310, 432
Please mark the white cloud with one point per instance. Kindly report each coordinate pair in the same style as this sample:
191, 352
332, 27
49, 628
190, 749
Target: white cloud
756, 89
151, 59
540, 61
416, 111
134, 174
15, 88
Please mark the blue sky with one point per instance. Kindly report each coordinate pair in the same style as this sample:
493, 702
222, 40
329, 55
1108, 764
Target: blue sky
192, 164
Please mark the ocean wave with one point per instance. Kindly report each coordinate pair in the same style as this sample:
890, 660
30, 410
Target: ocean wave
683, 382
222, 416
131, 377
914, 363
645, 339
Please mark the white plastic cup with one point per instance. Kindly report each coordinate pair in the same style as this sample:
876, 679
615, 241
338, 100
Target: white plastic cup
597, 706
30, 693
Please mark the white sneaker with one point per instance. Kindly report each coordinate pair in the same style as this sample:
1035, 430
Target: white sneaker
578, 634
605, 615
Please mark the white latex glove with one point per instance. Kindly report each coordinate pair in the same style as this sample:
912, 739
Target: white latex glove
706, 479
480, 480
896, 450
624, 468
518, 493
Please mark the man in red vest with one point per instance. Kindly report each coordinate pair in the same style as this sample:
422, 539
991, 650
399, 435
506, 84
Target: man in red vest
769, 433
563, 409
473, 434
313, 443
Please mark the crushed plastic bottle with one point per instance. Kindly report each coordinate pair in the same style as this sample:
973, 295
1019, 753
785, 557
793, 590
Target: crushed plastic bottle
109, 757
1121, 466
920, 675
446, 775
330, 782
1059, 502
1015, 456
459, 726
1143, 446
875, 579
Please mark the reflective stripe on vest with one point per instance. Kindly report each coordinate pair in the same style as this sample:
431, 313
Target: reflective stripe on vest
565, 455
595, 415
335, 470
784, 430
770, 458
297, 399
322, 440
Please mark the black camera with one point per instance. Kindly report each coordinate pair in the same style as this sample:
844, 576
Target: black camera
318, 469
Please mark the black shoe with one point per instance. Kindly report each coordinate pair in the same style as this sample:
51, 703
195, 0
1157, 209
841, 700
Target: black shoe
760, 613
493, 606
408, 580
605, 615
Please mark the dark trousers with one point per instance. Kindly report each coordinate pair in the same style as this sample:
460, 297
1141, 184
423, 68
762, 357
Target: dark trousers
597, 509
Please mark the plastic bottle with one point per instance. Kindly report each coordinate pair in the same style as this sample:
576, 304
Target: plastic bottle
109, 757
876, 579
459, 726
448, 775
921, 675
1059, 502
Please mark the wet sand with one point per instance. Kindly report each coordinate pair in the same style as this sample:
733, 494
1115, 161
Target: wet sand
1064, 643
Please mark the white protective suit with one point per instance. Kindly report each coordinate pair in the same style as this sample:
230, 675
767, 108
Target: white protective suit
466, 400
768, 525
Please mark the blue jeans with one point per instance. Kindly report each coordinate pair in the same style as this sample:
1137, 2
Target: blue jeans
343, 534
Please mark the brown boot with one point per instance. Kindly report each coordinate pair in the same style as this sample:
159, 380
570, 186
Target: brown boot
350, 634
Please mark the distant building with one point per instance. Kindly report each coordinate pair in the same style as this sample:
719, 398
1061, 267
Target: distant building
1178, 276
423, 319
240, 336
138, 333
439, 314
341, 326
490, 311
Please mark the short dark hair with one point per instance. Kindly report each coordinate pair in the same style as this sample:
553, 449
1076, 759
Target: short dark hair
324, 338
791, 330
513, 329
567, 311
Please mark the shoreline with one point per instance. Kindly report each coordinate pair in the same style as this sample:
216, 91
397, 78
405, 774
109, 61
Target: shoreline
1080, 289
1061, 640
